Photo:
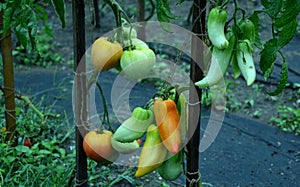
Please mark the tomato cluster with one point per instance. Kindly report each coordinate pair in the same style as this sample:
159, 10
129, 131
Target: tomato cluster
128, 53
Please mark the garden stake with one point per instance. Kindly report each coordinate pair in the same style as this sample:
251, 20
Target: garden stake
141, 18
192, 173
8, 76
80, 109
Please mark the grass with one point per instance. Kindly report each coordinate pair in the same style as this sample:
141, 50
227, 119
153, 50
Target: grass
48, 161
288, 116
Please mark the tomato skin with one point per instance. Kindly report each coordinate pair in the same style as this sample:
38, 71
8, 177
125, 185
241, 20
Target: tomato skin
221, 59
137, 63
215, 27
168, 119
153, 152
137, 43
139, 141
245, 61
125, 148
247, 30
127, 34
98, 146
27, 142
105, 54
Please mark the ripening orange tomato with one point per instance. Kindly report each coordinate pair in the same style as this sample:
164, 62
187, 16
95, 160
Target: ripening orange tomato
98, 147
105, 54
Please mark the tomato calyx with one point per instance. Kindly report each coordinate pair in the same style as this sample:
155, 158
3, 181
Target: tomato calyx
129, 48
99, 131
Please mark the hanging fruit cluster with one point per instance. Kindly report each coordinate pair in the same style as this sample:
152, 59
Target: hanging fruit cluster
229, 45
164, 125
125, 52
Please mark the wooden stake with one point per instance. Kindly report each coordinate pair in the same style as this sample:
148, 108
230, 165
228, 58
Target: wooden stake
141, 18
80, 94
196, 74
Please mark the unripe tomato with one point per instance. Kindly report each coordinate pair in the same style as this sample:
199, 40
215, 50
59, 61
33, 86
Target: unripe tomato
98, 146
137, 44
136, 63
105, 54
126, 32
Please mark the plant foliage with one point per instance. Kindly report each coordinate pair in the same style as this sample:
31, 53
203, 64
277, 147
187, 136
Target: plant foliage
25, 17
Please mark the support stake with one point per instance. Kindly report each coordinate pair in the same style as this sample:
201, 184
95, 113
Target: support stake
196, 74
141, 18
80, 93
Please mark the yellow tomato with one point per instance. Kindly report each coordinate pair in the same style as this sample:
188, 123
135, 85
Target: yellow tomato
105, 54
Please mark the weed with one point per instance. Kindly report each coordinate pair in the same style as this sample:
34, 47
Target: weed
288, 119
51, 159
47, 162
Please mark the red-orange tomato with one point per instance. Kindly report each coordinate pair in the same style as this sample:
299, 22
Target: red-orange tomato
105, 54
139, 141
98, 146
167, 119
27, 142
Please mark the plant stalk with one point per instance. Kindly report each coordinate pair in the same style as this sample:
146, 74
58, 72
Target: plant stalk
9, 89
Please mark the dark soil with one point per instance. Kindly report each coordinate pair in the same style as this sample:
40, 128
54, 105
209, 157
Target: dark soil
247, 151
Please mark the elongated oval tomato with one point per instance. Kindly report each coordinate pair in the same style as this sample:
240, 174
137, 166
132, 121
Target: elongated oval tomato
153, 152
245, 61
98, 147
167, 119
215, 27
105, 54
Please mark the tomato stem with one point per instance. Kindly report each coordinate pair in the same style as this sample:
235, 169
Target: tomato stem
105, 119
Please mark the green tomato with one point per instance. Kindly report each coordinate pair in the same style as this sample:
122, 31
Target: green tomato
125, 148
126, 33
136, 63
215, 27
247, 30
136, 43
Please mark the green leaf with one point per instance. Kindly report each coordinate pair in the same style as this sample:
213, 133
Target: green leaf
9, 159
44, 152
164, 14
255, 20
283, 79
7, 19
41, 13
268, 56
21, 34
22, 149
165, 9
290, 10
287, 32
48, 31
59, 7
273, 7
